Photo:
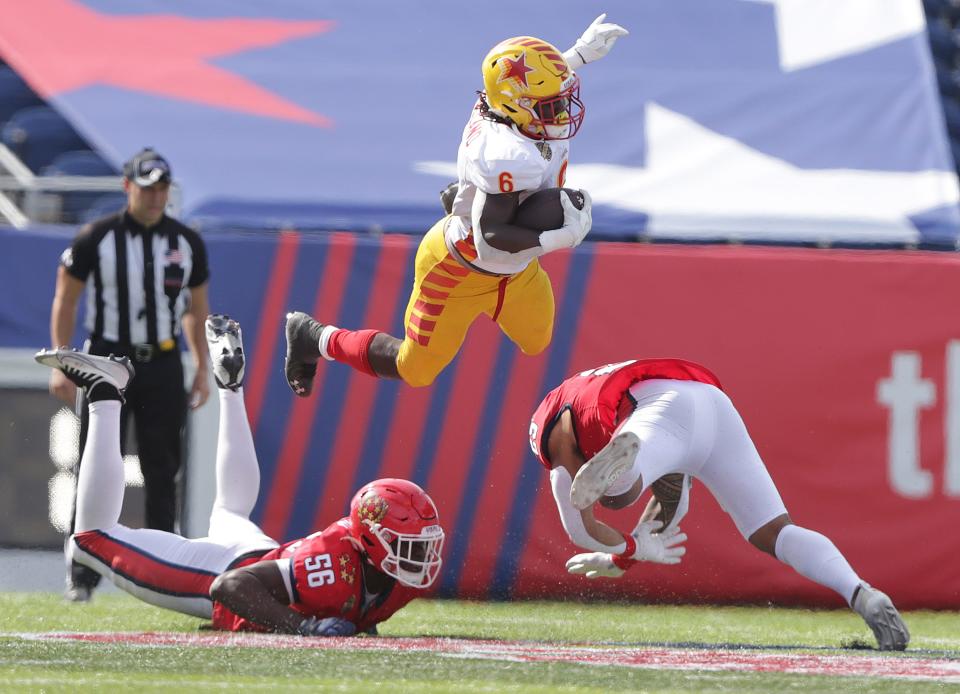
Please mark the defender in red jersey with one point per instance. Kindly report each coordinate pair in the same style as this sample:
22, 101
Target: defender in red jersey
337, 582
608, 434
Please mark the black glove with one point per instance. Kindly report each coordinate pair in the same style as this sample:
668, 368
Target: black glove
329, 626
448, 194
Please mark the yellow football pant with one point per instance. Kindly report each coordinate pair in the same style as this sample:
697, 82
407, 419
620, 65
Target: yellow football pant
448, 297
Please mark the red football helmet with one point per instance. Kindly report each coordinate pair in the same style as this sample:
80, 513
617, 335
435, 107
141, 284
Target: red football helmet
396, 524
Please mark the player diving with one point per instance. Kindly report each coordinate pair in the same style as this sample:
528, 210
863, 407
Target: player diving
477, 259
342, 580
608, 434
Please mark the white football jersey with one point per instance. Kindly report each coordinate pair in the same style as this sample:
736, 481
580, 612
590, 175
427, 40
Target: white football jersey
496, 158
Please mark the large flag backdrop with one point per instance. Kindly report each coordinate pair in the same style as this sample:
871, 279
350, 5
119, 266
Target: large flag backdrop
791, 120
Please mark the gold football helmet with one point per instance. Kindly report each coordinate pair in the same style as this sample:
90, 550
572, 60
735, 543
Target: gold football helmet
528, 82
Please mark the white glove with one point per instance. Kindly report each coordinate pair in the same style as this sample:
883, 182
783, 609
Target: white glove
660, 548
593, 565
576, 224
595, 43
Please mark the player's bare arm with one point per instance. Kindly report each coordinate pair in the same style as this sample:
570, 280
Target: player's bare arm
564, 453
193, 331
494, 215
611, 552
63, 317
499, 222
257, 592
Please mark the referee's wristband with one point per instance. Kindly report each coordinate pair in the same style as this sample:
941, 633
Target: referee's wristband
625, 559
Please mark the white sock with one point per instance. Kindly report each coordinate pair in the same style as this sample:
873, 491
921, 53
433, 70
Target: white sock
238, 472
325, 334
101, 483
814, 556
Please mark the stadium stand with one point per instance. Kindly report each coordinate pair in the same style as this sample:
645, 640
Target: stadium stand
15, 94
47, 171
75, 204
38, 134
101, 206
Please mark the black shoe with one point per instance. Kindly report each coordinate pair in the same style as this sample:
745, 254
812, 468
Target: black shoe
225, 343
74, 593
80, 583
303, 352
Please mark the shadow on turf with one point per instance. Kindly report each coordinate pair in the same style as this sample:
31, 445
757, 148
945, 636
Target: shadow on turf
852, 645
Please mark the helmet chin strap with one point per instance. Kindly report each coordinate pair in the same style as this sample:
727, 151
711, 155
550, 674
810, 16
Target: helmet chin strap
557, 132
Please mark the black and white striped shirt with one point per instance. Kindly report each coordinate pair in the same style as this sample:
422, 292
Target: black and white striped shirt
141, 277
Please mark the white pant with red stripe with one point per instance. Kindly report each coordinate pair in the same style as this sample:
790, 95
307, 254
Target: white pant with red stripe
158, 567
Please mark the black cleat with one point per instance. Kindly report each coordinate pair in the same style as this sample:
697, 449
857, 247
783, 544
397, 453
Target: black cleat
303, 352
77, 593
448, 195
225, 342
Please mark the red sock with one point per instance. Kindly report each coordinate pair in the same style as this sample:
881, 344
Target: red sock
352, 347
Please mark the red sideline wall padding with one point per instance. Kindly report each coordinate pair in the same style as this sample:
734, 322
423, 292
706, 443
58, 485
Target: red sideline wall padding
839, 362
846, 368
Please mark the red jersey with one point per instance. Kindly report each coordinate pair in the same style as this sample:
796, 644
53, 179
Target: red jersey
598, 400
326, 574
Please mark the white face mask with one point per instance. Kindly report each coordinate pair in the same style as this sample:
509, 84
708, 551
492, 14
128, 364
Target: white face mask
414, 560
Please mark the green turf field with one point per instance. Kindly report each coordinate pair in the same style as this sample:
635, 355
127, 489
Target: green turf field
29, 664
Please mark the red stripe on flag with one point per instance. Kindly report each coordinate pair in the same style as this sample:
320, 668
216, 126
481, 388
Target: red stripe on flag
458, 433
361, 390
428, 309
329, 296
509, 449
143, 569
271, 313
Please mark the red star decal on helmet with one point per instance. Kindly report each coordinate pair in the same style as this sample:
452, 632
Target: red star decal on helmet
516, 69
63, 45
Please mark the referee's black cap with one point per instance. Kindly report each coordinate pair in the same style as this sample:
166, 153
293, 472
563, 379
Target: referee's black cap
147, 167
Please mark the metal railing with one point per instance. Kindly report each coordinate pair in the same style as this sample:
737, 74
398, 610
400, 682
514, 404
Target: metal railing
26, 198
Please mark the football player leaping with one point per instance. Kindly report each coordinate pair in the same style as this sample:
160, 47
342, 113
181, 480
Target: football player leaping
610, 433
339, 581
476, 260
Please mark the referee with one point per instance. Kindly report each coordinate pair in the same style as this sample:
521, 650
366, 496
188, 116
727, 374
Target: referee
146, 279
